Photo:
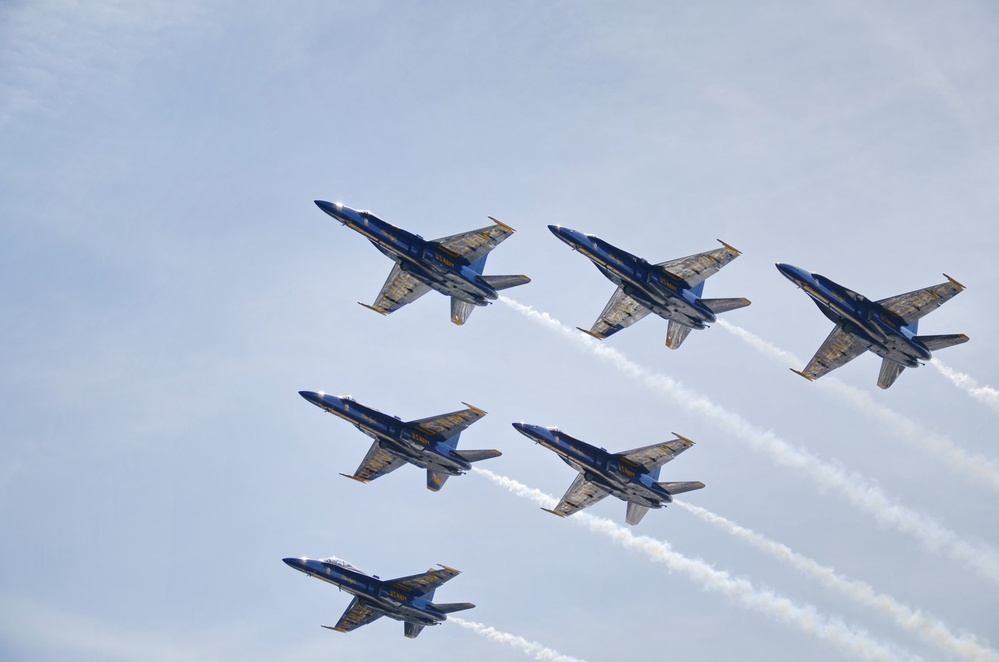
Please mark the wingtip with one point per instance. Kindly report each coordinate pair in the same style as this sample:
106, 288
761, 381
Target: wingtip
798, 372
730, 247
501, 224
682, 438
377, 310
954, 282
457, 572
480, 412
590, 333
548, 510
359, 480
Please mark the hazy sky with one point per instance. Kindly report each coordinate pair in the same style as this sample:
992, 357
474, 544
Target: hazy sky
169, 286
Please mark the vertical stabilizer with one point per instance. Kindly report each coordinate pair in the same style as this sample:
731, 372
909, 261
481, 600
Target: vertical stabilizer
889, 372
635, 513
460, 310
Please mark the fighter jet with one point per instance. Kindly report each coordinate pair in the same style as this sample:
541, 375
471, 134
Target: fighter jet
407, 599
886, 327
630, 476
670, 289
451, 265
429, 443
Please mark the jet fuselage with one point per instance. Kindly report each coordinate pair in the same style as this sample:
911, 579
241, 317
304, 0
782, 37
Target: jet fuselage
427, 261
625, 480
649, 284
878, 329
392, 432
371, 591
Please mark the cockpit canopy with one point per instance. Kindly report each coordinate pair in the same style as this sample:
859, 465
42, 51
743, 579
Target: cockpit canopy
332, 560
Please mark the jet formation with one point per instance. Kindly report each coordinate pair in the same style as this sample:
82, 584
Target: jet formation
887, 327
407, 599
672, 289
630, 475
451, 265
429, 443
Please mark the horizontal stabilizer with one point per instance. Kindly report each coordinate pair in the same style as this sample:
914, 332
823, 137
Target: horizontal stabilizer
681, 487
635, 513
933, 343
412, 630
889, 372
476, 456
450, 607
505, 282
718, 306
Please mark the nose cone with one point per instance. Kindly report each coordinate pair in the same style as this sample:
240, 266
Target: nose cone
297, 563
792, 273
567, 235
334, 209
313, 397
533, 432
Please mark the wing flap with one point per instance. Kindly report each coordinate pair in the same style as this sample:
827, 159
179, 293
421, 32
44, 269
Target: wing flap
378, 462
424, 582
695, 269
911, 306
581, 494
620, 312
357, 614
446, 426
399, 289
476, 244
656, 455
838, 349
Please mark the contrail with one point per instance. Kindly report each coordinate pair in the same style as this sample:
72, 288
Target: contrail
851, 486
806, 618
928, 627
969, 385
970, 465
523, 645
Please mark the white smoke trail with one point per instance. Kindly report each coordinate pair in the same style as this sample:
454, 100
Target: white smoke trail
851, 486
970, 465
523, 645
928, 627
968, 384
857, 644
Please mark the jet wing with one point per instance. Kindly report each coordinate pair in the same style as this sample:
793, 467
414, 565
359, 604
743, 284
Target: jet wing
620, 312
399, 289
355, 616
424, 583
656, 455
838, 349
377, 463
581, 494
445, 426
476, 244
914, 305
696, 268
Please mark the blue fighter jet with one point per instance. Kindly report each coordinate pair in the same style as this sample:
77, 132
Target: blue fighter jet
451, 265
887, 327
631, 476
670, 289
407, 599
429, 443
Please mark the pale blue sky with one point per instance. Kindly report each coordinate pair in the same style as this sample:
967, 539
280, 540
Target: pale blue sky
169, 287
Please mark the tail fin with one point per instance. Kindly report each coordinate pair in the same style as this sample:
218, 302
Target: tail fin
412, 630
476, 456
889, 372
724, 305
449, 607
933, 343
479, 264
505, 282
435, 480
675, 333
681, 487
636, 512
460, 310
